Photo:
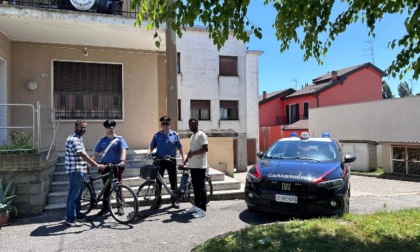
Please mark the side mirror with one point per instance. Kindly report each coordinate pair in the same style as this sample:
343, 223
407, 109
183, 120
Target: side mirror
348, 158
260, 154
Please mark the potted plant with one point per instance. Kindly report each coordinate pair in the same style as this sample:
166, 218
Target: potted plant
6, 197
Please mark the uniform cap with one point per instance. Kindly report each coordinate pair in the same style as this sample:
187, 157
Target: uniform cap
110, 124
165, 119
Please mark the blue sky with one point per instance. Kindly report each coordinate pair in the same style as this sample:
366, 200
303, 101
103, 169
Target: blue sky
278, 71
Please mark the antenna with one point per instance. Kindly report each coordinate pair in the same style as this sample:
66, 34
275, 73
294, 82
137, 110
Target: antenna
411, 85
295, 80
369, 49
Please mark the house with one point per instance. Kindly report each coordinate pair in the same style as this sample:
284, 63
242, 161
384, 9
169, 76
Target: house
220, 89
83, 65
59, 64
380, 133
358, 83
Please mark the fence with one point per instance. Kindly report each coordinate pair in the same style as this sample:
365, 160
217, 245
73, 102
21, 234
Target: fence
28, 121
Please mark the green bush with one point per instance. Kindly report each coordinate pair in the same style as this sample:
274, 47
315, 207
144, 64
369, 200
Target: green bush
20, 144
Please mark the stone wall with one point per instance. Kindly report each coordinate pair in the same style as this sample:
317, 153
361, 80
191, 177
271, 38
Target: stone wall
32, 175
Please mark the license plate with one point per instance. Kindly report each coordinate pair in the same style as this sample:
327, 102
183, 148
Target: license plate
286, 198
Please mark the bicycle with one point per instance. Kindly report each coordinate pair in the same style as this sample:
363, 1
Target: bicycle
149, 193
121, 208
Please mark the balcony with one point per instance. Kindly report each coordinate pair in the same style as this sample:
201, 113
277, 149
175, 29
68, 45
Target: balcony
283, 120
109, 25
110, 7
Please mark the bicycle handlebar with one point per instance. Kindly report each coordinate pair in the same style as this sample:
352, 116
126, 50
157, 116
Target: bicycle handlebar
158, 159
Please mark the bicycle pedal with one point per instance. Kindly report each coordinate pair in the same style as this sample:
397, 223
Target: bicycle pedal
130, 215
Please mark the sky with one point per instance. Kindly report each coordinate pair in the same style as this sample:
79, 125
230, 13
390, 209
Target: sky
278, 71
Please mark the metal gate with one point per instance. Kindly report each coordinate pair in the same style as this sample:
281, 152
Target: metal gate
406, 159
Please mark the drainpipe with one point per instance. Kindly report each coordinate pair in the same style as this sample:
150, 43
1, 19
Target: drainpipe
317, 99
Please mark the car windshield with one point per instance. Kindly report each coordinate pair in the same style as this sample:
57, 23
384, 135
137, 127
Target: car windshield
312, 150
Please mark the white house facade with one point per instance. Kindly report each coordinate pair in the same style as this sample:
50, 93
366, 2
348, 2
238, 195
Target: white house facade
219, 88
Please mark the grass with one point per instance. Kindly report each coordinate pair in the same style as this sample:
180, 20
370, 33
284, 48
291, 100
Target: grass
380, 231
377, 172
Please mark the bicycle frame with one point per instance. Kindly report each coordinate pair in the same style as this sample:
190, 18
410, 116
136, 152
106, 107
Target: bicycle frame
110, 179
172, 193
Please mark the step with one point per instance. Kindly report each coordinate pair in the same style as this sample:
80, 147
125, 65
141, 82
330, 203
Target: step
130, 178
222, 185
217, 195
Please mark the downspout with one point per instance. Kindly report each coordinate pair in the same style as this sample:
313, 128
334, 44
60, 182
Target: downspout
317, 99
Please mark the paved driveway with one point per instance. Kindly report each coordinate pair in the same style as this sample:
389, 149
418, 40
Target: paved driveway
174, 230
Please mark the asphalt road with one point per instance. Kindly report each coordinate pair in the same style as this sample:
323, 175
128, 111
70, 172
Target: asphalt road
175, 230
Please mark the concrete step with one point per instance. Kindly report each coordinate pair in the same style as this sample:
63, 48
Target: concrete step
58, 196
130, 178
224, 187
217, 195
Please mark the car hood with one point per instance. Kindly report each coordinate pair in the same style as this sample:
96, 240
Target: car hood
298, 170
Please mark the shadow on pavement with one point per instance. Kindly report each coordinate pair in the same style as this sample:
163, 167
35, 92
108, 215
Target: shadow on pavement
257, 218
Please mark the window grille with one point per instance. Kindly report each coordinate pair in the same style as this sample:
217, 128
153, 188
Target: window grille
87, 90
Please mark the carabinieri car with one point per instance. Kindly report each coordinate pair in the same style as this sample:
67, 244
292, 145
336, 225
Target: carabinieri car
300, 177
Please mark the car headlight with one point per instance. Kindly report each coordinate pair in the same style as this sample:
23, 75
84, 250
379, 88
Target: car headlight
252, 178
254, 174
331, 184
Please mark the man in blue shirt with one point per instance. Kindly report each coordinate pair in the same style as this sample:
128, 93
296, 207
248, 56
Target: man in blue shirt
76, 163
113, 150
166, 143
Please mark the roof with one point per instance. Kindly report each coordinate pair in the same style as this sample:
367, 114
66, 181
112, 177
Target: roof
273, 95
325, 81
358, 141
301, 124
400, 142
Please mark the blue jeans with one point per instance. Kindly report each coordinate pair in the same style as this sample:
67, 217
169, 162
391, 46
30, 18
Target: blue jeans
75, 192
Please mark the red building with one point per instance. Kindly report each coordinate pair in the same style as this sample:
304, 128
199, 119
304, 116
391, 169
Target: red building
286, 111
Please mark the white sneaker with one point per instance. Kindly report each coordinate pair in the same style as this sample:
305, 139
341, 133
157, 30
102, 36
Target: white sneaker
199, 214
193, 209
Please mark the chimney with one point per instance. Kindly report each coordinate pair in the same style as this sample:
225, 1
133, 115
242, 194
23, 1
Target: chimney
264, 95
333, 75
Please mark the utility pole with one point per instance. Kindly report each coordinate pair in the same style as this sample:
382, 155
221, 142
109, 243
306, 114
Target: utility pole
369, 49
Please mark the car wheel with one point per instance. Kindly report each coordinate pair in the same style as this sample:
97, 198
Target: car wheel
346, 203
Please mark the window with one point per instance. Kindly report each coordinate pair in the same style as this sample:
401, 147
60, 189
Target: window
229, 110
178, 62
87, 90
228, 66
179, 110
292, 113
305, 110
200, 109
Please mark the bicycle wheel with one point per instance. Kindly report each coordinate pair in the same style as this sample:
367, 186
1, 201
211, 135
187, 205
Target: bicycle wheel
87, 199
123, 204
209, 189
147, 195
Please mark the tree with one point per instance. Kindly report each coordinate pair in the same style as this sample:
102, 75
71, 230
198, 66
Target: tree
386, 91
404, 90
313, 17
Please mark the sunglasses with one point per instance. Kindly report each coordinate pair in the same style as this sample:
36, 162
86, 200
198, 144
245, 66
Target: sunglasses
165, 123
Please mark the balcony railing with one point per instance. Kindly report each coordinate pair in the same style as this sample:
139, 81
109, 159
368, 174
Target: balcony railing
110, 7
283, 120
